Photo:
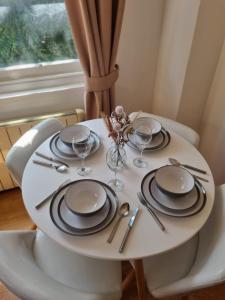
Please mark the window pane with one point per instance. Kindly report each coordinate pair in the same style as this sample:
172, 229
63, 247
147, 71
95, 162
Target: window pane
34, 31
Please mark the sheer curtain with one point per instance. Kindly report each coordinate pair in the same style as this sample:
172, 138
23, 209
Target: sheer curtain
212, 127
190, 76
96, 27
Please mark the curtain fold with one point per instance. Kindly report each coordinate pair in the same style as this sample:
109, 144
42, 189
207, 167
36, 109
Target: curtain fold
96, 27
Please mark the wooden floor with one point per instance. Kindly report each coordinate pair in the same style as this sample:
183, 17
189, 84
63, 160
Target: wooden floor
13, 216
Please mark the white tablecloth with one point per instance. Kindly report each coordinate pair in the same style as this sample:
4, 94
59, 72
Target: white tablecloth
146, 238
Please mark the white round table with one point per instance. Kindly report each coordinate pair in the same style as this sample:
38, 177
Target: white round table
146, 238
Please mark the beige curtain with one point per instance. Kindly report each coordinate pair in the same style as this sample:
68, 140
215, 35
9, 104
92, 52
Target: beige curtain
96, 27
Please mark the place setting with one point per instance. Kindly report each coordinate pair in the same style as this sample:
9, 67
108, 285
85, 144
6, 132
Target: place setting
147, 134
83, 207
66, 143
88, 206
173, 191
72, 143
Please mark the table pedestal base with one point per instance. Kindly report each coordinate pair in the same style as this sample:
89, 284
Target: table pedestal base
138, 273
140, 278
128, 280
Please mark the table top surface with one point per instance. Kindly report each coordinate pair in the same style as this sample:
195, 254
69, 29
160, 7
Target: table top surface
146, 238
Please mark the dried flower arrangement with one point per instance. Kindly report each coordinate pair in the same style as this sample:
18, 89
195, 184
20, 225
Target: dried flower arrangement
118, 124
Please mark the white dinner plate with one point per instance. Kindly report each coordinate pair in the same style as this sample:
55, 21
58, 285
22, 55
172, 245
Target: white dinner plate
147, 193
61, 150
82, 222
54, 212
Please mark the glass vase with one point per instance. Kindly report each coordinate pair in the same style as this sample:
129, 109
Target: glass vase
116, 159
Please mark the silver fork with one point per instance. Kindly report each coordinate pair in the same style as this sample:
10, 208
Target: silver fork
155, 217
52, 194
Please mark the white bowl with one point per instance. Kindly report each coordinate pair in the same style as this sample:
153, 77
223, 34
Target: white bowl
79, 132
174, 180
153, 124
85, 197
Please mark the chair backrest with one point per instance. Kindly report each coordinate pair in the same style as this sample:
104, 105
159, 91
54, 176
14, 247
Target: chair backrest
210, 261
26, 255
186, 132
19, 241
71, 268
21, 151
168, 267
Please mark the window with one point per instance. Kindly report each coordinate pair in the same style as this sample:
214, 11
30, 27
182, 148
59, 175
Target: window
37, 56
34, 31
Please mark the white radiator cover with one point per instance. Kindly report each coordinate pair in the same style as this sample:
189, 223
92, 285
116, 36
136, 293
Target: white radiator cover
11, 131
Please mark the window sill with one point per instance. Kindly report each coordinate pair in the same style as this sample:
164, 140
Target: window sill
32, 90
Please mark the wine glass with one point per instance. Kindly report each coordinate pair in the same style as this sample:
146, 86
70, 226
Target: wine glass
82, 150
142, 138
116, 159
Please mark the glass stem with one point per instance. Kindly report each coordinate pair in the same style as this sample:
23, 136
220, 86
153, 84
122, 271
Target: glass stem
82, 164
115, 172
142, 154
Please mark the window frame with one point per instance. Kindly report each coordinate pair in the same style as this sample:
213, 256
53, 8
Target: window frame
56, 86
20, 84
42, 75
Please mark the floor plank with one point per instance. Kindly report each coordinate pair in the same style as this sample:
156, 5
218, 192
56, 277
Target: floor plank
14, 216
12, 212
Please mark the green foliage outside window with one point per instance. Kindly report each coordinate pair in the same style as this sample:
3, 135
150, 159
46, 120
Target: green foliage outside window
33, 31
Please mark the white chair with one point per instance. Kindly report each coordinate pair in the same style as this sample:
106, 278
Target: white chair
165, 275
186, 132
36, 268
21, 151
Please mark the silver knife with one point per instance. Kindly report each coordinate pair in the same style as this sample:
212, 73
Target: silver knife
37, 206
51, 158
200, 178
130, 225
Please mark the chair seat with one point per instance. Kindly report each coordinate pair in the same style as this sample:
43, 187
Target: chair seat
186, 132
208, 267
163, 269
26, 268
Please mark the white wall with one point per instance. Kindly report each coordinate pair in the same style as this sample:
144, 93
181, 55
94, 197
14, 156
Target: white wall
138, 51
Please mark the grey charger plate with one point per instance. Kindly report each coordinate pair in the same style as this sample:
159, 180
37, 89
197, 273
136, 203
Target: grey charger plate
61, 150
173, 202
54, 213
146, 192
163, 140
76, 222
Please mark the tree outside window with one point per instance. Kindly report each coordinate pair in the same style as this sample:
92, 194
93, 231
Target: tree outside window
34, 31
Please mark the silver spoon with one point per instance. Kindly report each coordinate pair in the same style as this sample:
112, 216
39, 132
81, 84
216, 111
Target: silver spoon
123, 212
175, 162
58, 168
172, 161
